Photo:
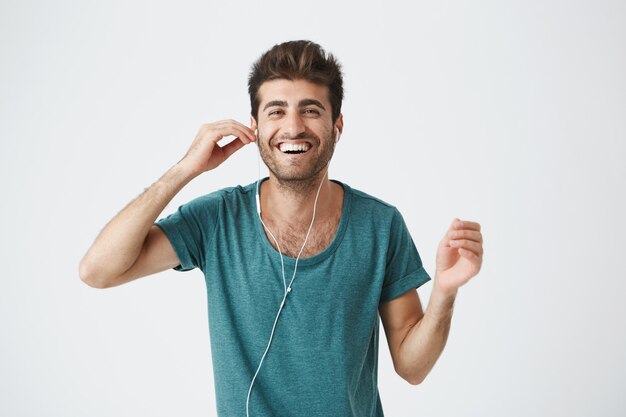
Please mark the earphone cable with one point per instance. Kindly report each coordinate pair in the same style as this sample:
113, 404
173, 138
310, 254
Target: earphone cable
287, 290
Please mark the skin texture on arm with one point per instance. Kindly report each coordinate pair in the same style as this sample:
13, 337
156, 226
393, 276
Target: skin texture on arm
130, 246
398, 317
416, 340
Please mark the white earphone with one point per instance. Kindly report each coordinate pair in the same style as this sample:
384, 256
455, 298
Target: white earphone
287, 289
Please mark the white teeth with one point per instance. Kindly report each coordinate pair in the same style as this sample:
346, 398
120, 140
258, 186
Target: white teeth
284, 147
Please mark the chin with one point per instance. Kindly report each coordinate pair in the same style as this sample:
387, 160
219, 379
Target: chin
287, 175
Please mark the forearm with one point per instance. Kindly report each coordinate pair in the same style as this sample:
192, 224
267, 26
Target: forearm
120, 242
424, 343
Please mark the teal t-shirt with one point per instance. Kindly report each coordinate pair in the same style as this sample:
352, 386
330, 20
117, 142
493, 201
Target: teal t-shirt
323, 359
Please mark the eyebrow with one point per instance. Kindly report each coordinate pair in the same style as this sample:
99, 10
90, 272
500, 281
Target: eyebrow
302, 103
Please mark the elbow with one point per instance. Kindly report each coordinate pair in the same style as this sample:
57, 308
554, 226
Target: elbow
87, 274
411, 378
414, 380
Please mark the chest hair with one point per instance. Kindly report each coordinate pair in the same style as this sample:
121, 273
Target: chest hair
291, 238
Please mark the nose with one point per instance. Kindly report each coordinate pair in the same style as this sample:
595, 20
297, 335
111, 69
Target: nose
294, 126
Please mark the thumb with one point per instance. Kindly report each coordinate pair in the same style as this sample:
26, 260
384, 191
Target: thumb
232, 147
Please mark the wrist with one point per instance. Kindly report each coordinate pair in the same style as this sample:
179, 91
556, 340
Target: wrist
444, 290
184, 171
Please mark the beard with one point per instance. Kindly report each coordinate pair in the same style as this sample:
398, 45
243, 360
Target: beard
303, 173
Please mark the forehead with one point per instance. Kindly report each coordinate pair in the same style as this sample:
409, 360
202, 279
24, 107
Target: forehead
292, 91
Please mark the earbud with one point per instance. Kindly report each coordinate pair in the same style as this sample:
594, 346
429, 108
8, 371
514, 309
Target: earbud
337, 136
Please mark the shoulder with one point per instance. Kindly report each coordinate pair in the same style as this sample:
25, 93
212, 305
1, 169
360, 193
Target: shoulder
208, 208
366, 204
365, 198
227, 195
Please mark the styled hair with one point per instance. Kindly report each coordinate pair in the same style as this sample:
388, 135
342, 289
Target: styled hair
297, 60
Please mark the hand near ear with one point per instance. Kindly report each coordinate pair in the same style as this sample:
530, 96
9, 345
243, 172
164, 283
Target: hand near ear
204, 154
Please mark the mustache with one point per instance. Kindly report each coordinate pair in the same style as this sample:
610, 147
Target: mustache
301, 136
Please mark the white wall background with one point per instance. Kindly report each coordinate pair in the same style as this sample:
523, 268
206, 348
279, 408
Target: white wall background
512, 114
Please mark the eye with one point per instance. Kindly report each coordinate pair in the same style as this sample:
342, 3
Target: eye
274, 112
311, 111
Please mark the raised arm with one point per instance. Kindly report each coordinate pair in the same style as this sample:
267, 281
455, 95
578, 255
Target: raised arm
130, 246
416, 339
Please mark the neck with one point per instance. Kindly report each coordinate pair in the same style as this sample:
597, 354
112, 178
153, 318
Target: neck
292, 202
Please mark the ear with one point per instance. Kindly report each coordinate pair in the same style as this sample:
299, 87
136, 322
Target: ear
339, 123
253, 124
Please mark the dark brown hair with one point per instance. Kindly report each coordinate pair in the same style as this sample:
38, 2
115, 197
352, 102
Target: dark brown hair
297, 60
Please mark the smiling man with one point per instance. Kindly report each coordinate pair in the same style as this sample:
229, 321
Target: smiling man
300, 269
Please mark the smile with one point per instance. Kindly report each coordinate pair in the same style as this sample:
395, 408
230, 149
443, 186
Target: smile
294, 148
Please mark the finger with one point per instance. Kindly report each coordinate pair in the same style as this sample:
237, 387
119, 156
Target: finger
238, 131
475, 247
233, 128
465, 224
468, 254
232, 147
242, 128
466, 234
249, 132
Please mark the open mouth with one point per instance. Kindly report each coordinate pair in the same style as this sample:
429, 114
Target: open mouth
294, 149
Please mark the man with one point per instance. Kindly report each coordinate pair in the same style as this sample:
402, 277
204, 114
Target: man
297, 277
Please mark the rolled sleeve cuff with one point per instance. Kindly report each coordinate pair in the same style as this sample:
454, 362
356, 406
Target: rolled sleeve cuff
178, 243
413, 280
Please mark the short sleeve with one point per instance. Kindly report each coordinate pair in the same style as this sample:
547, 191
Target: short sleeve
404, 270
189, 229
